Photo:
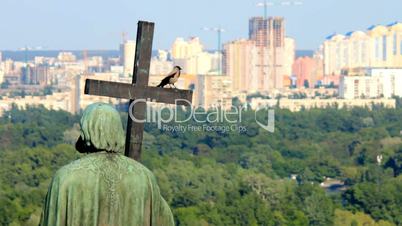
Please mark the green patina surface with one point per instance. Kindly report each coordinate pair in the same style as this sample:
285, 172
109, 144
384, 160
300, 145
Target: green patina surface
105, 187
101, 125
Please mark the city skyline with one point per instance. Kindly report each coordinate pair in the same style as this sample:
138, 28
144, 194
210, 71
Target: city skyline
98, 25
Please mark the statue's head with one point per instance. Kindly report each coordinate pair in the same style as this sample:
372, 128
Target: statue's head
101, 129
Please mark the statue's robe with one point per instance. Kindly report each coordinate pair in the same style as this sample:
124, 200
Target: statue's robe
105, 189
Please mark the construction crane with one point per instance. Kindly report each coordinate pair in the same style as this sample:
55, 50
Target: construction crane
218, 31
267, 4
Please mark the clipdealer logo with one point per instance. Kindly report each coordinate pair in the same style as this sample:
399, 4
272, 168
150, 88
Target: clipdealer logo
207, 121
269, 125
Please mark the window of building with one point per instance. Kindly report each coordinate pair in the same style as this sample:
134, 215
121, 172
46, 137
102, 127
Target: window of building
367, 93
338, 55
384, 47
356, 52
377, 48
400, 47
356, 88
346, 56
363, 51
394, 50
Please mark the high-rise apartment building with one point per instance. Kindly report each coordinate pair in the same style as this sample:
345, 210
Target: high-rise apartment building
9, 66
160, 67
75, 94
42, 74
127, 54
182, 49
261, 63
201, 63
268, 32
269, 36
379, 46
28, 75
240, 63
258, 31
1, 69
1, 74
289, 57
191, 57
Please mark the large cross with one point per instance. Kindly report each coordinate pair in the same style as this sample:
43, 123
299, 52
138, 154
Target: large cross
139, 89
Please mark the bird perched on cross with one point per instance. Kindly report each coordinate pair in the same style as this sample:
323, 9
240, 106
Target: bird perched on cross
171, 78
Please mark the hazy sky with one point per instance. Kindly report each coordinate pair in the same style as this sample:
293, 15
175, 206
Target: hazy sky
97, 24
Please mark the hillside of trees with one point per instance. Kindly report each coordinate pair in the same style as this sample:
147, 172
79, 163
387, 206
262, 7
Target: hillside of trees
231, 177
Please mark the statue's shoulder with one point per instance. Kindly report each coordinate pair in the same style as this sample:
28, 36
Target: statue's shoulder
101, 162
134, 166
75, 167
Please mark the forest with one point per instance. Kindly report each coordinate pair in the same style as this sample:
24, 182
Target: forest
248, 177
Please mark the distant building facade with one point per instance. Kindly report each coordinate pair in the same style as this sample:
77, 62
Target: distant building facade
269, 36
371, 83
295, 105
380, 46
160, 64
28, 75
182, 49
289, 57
212, 91
190, 55
66, 57
240, 61
308, 71
263, 62
1, 69
127, 54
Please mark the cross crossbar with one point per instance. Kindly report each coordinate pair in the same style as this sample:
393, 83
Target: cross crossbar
134, 91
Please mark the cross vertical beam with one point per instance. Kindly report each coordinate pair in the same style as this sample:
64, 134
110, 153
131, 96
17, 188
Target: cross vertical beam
143, 52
